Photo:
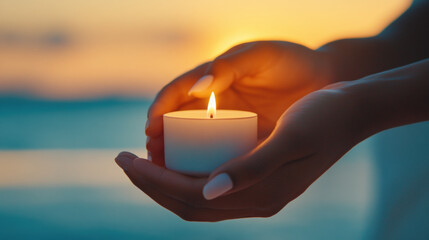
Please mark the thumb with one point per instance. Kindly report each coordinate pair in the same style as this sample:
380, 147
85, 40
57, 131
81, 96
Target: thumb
245, 171
245, 59
219, 76
232, 65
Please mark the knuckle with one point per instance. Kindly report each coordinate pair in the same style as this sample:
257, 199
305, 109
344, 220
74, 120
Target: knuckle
270, 211
335, 85
155, 145
264, 45
185, 215
189, 216
220, 64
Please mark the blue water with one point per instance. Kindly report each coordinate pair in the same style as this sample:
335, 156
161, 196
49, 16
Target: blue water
30, 123
88, 213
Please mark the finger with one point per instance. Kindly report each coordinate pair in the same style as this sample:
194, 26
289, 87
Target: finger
155, 150
123, 159
175, 206
245, 171
189, 213
171, 97
236, 63
127, 154
185, 188
155, 144
174, 184
158, 158
154, 125
182, 209
255, 207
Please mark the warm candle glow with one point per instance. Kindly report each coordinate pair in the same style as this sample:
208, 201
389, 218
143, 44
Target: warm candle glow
211, 108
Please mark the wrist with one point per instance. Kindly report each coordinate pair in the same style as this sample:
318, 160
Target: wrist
351, 110
351, 59
327, 68
390, 99
363, 122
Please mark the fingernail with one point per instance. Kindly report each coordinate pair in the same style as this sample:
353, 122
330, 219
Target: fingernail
124, 162
202, 84
146, 127
147, 124
217, 186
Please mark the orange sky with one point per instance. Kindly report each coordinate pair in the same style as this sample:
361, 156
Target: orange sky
80, 48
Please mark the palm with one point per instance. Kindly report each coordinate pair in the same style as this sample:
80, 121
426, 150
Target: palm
279, 170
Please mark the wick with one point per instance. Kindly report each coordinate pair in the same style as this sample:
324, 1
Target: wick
211, 115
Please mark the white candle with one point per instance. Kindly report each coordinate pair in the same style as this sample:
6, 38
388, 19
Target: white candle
198, 141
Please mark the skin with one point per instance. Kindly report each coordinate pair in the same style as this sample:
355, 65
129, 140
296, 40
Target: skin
244, 82
308, 119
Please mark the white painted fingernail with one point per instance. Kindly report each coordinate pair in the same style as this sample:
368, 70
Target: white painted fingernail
124, 162
202, 84
217, 186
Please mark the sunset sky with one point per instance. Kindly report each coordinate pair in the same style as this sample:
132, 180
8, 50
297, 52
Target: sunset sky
89, 49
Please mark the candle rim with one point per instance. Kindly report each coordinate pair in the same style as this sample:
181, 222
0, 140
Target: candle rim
204, 111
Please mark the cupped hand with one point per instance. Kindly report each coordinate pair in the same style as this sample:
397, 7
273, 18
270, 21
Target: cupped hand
264, 77
308, 138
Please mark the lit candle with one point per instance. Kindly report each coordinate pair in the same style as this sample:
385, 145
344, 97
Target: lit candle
198, 141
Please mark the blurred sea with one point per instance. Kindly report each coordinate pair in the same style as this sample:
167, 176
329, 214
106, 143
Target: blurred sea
58, 179
31, 123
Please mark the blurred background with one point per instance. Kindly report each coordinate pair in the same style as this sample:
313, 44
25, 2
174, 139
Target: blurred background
76, 80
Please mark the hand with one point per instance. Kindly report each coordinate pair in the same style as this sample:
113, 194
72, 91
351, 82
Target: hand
310, 136
262, 77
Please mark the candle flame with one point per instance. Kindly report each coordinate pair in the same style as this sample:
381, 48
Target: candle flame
211, 108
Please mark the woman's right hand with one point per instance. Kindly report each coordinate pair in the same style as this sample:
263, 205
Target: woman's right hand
263, 77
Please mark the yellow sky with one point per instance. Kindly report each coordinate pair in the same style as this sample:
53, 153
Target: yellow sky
80, 48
